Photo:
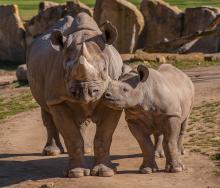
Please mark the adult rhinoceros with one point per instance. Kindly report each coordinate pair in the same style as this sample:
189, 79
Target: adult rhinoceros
69, 68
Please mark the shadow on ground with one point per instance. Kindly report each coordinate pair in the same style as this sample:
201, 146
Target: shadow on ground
14, 172
9, 65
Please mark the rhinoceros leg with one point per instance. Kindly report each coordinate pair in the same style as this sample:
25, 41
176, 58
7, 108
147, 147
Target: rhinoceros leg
182, 133
149, 164
53, 145
64, 121
158, 146
84, 131
106, 124
171, 136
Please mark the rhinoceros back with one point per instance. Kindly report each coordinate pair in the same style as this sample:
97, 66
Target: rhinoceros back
180, 85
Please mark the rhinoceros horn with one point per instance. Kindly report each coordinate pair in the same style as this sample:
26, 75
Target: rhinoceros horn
85, 52
85, 71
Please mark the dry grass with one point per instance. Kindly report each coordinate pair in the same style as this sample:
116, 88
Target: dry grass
203, 133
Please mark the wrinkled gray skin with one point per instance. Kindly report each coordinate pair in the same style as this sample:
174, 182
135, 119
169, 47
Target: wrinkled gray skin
158, 102
69, 68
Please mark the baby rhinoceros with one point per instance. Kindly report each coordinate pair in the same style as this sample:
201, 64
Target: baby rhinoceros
155, 102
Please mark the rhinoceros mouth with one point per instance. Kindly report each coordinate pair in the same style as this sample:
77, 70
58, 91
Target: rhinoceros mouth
112, 99
114, 104
85, 91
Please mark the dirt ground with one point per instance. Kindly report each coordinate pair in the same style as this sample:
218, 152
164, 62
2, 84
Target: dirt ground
22, 138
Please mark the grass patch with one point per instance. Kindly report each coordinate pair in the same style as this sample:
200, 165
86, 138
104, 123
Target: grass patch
28, 8
216, 158
194, 64
16, 104
217, 172
205, 121
197, 150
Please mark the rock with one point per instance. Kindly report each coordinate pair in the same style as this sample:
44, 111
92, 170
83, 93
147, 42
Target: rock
162, 22
125, 17
12, 34
45, 19
21, 73
212, 57
140, 55
161, 59
196, 57
45, 5
74, 7
200, 18
50, 13
48, 185
127, 57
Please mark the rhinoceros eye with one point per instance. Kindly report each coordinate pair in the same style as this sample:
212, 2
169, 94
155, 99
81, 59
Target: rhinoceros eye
125, 89
104, 75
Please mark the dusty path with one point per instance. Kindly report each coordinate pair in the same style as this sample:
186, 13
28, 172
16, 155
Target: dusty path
23, 136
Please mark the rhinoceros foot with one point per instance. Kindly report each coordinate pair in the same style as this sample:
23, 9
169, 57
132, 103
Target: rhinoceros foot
148, 168
52, 151
103, 170
174, 167
78, 172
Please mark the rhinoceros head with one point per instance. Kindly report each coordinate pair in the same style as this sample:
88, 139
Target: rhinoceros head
85, 61
128, 91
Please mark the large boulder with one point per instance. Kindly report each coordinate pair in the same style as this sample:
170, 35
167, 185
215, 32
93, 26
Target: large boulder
140, 55
127, 19
45, 19
162, 22
12, 34
46, 4
74, 7
200, 18
21, 73
50, 13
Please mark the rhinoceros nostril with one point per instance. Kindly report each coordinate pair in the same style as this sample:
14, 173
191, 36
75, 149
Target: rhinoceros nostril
93, 92
75, 93
108, 94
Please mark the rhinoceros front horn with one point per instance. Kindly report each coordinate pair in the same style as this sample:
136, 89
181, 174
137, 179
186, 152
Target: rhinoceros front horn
84, 70
109, 32
85, 52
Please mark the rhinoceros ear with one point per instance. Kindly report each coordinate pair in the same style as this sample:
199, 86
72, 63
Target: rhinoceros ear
109, 32
143, 72
57, 40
